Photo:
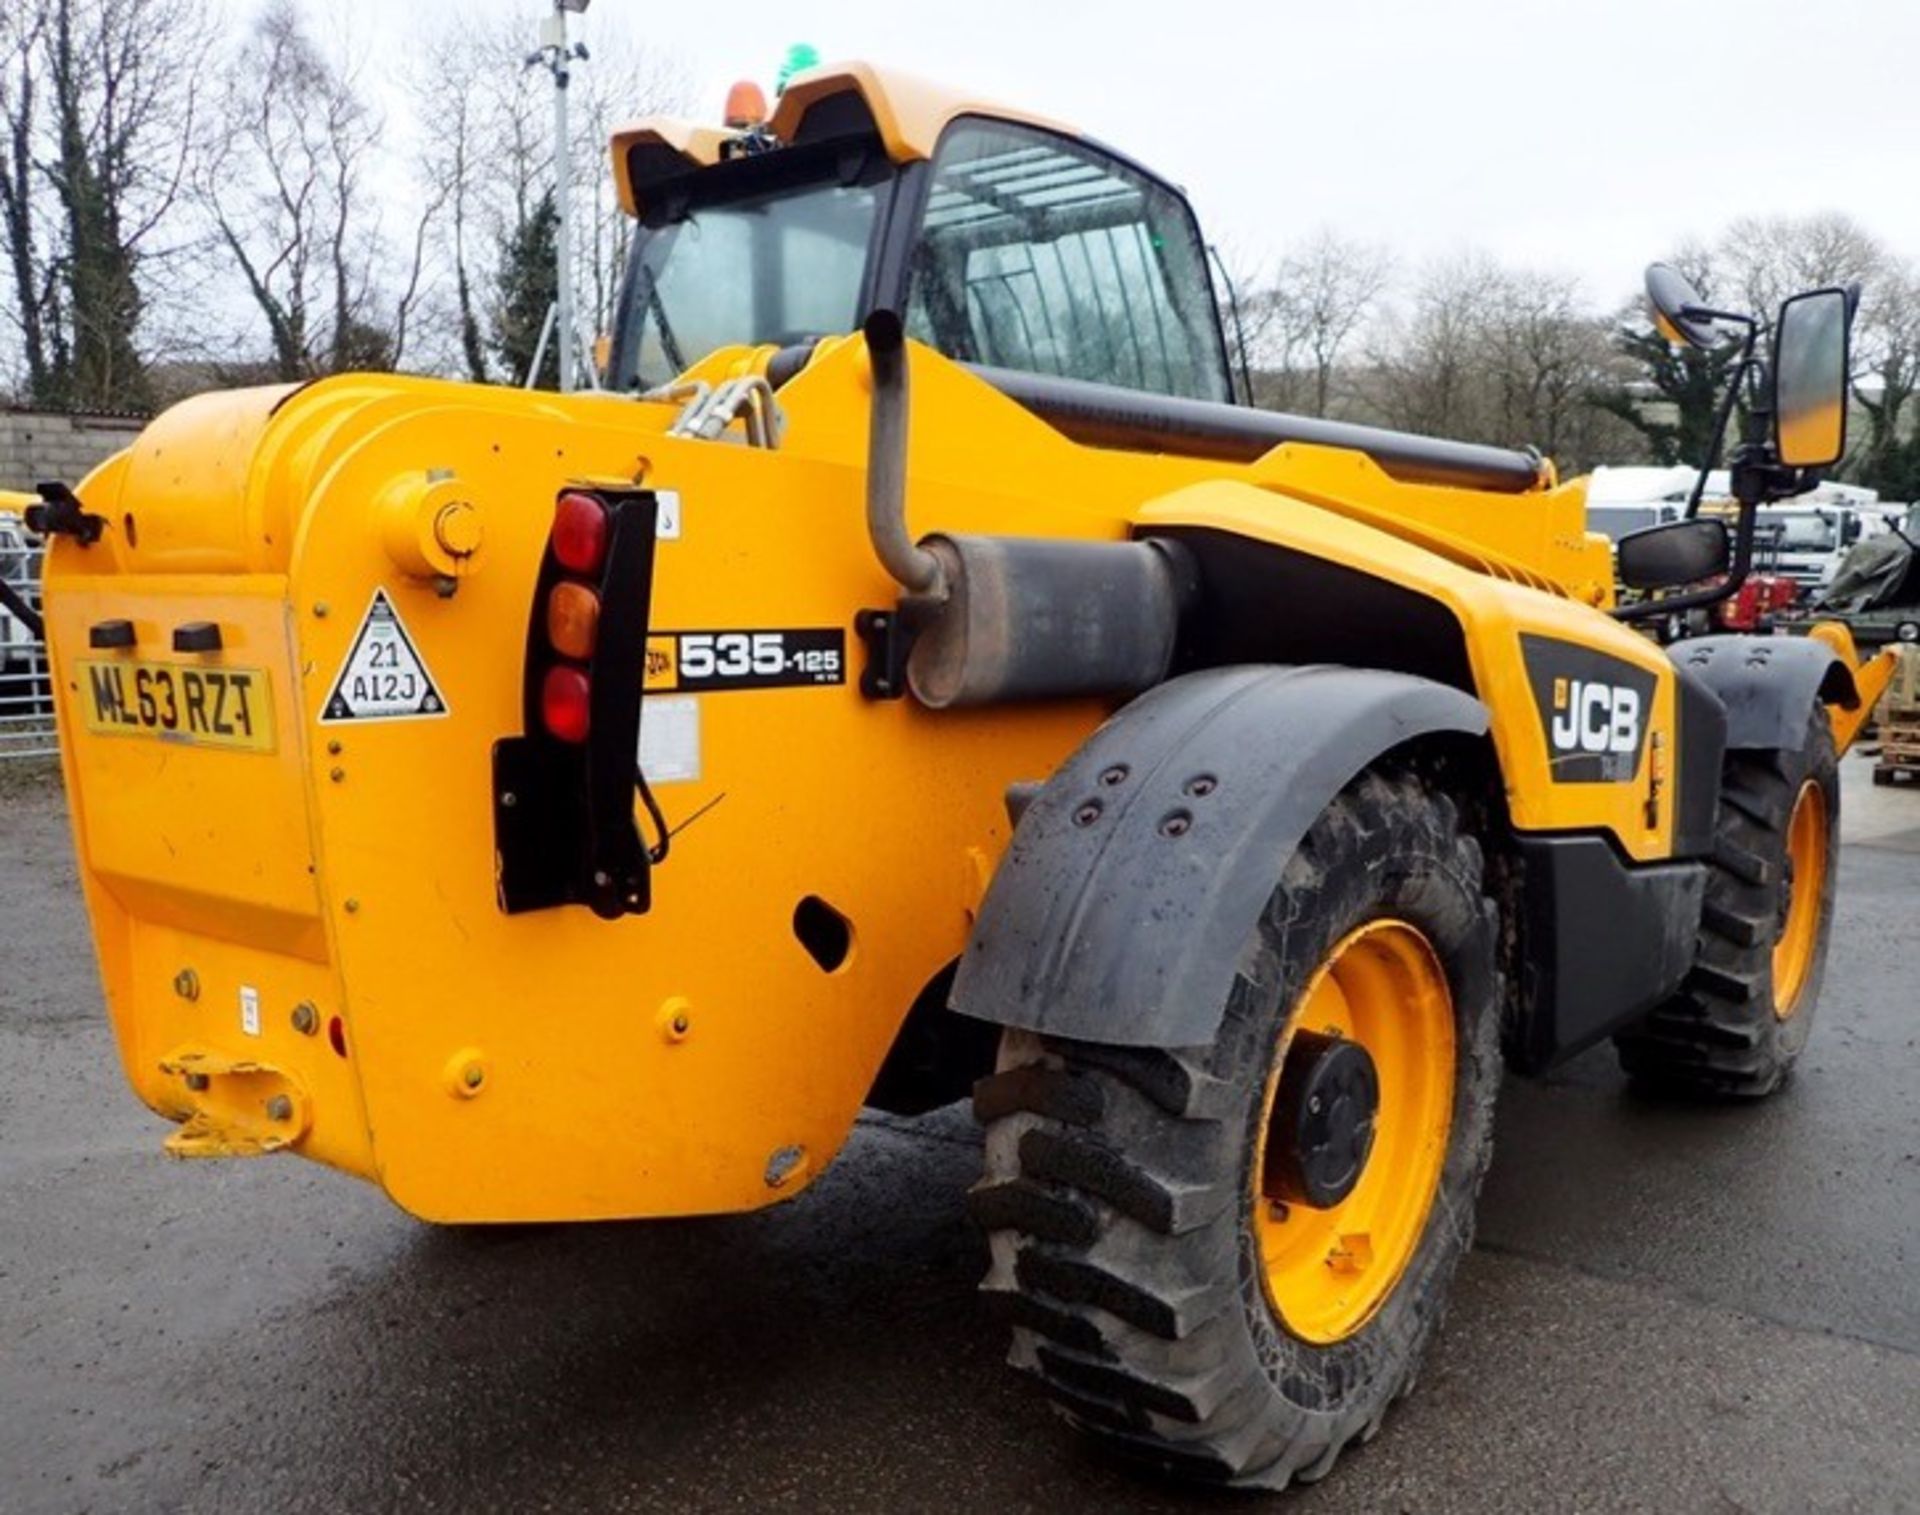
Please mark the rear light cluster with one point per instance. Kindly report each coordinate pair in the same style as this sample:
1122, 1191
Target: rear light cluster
566, 826
579, 545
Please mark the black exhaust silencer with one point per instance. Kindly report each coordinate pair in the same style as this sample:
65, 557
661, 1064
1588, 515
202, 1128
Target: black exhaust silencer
1039, 618
1010, 618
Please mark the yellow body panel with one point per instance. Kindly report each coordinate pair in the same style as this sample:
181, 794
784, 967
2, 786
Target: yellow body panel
1870, 679
1493, 614
482, 1066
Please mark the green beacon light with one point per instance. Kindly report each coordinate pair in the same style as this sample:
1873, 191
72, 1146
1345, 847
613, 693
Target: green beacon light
800, 57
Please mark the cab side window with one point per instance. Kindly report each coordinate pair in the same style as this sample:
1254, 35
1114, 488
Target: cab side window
1040, 253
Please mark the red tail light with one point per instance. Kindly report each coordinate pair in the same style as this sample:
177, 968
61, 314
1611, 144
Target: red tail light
580, 533
573, 620
564, 702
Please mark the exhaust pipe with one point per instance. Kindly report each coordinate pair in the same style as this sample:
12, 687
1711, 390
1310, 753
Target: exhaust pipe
1012, 618
914, 568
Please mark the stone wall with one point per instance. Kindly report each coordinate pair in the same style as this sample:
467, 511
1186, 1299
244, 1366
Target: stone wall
38, 444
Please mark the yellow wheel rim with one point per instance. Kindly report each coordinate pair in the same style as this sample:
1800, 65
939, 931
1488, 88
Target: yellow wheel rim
1326, 1271
1793, 950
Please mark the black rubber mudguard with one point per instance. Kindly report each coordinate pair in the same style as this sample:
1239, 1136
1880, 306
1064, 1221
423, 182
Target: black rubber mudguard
1136, 874
1767, 683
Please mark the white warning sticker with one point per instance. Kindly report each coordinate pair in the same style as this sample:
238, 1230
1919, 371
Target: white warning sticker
670, 739
383, 678
249, 1010
667, 521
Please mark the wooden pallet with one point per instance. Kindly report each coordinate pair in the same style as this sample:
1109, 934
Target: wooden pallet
1899, 749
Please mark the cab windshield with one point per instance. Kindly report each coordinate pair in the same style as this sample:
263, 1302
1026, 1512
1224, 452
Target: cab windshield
781, 265
1029, 251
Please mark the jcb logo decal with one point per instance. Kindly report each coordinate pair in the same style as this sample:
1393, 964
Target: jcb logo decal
1589, 716
1593, 710
662, 665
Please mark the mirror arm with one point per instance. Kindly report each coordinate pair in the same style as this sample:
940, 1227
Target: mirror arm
1722, 418
1737, 570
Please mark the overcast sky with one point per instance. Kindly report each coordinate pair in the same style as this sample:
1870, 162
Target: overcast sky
1583, 137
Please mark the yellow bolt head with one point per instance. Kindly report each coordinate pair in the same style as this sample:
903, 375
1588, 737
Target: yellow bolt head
465, 1073
675, 1018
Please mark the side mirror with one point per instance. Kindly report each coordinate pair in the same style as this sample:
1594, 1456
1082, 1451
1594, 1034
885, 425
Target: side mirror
1675, 553
1810, 378
1677, 307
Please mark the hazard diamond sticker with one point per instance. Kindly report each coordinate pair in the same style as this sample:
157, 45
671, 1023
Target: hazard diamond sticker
384, 678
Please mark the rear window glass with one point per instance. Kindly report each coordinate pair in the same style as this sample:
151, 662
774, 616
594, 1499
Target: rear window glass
1047, 255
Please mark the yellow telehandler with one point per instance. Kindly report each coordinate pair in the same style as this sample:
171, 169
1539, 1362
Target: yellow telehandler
916, 676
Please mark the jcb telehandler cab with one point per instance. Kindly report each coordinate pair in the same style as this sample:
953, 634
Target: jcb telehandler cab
918, 677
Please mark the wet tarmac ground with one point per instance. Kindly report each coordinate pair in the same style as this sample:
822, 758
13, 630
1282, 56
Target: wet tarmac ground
1670, 1308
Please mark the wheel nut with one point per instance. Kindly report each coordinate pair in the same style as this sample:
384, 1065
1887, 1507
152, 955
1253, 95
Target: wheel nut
1177, 824
186, 984
280, 1108
1201, 785
1087, 814
1117, 774
306, 1019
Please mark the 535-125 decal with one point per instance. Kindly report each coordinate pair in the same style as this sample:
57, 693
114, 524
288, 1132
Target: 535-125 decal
695, 661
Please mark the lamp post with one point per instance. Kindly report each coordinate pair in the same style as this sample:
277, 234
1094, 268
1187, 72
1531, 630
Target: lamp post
558, 55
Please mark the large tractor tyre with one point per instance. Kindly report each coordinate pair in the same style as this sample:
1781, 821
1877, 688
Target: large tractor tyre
1227, 1260
1741, 1018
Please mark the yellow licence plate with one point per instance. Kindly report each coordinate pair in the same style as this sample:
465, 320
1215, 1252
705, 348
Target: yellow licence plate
202, 707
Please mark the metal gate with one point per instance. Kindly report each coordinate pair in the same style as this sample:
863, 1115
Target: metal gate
26, 694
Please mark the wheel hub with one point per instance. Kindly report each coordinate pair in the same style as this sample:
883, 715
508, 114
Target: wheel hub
1323, 1121
1354, 1130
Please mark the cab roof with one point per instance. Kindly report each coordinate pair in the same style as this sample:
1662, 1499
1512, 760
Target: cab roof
908, 112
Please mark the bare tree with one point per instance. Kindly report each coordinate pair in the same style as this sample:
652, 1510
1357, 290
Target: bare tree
1763, 259
1887, 376
1547, 359
620, 83
124, 92
1332, 285
450, 99
1302, 321
34, 309
1425, 361
287, 181
487, 155
97, 99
